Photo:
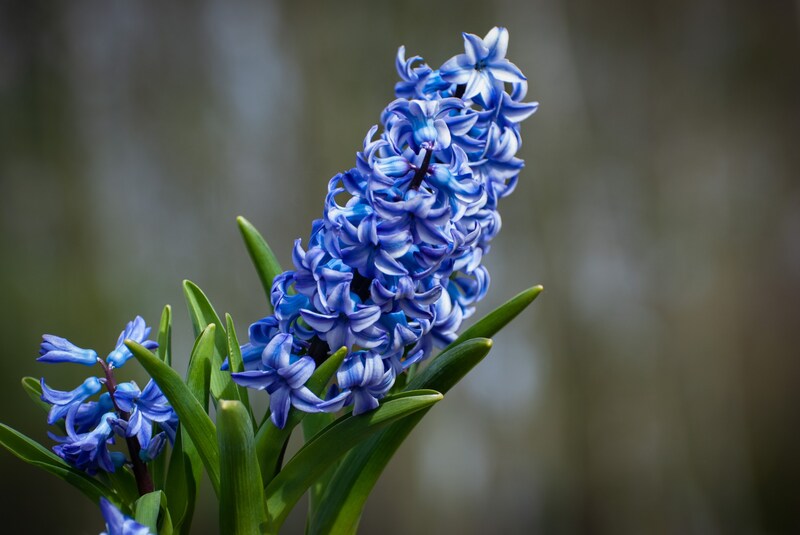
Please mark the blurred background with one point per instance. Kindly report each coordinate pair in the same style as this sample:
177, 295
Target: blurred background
653, 388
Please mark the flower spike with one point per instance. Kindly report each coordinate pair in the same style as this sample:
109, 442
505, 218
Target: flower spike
394, 265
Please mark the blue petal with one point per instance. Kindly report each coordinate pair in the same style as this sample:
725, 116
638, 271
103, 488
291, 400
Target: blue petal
255, 379
280, 403
497, 43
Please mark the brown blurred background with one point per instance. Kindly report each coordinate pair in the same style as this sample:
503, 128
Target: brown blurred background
653, 388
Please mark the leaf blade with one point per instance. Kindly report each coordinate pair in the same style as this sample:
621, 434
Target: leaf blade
190, 412
317, 455
264, 260
491, 323
165, 336
33, 388
147, 508
241, 503
236, 363
30, 451
203, 315
271, 441
339, 510
186, 466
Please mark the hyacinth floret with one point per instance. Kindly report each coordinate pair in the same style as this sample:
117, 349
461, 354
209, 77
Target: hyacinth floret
119, 524
123, 410
394, 265
283, 375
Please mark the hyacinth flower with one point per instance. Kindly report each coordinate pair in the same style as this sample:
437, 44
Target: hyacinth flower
119, 524
394, 266
482, 64
283, 375
364, 378
123, 411
387, 276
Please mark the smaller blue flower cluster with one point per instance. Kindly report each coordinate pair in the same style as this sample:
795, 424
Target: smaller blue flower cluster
123, 410
394, 266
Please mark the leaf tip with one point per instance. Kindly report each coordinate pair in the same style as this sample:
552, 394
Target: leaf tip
227, 404
28, 379
245, 226
133, 345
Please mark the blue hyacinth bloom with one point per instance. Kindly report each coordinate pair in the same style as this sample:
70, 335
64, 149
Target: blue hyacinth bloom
363, 379
88, 413
283, 375
135, 330
89, 451
63, 402
144, 408
90, 424
483, 62
344, 322
56, 349
394, 265
119, 524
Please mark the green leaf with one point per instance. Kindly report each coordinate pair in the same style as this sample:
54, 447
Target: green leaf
164, 351
241, 500
313, 424
198, 374
183, 481
32, 452
158, 466
190, 412
33, 388
491, 323
316, 456
340, 507
147, 508
263, 258
123, 482
165, 526
236, 363
271, 441
186, 466
203, 314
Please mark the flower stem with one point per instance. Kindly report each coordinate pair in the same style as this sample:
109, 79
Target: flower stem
419, 175
143, 480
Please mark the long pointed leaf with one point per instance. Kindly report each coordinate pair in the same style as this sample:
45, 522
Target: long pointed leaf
158, 466
32, 452
186, 466
271, 441
316, 456
236, 363
183, 481
203, 314
123, 482
147, 508
263, 258
340, 508
241, 500
33, 388
491, 323
191, 414
165, 336
313, 424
